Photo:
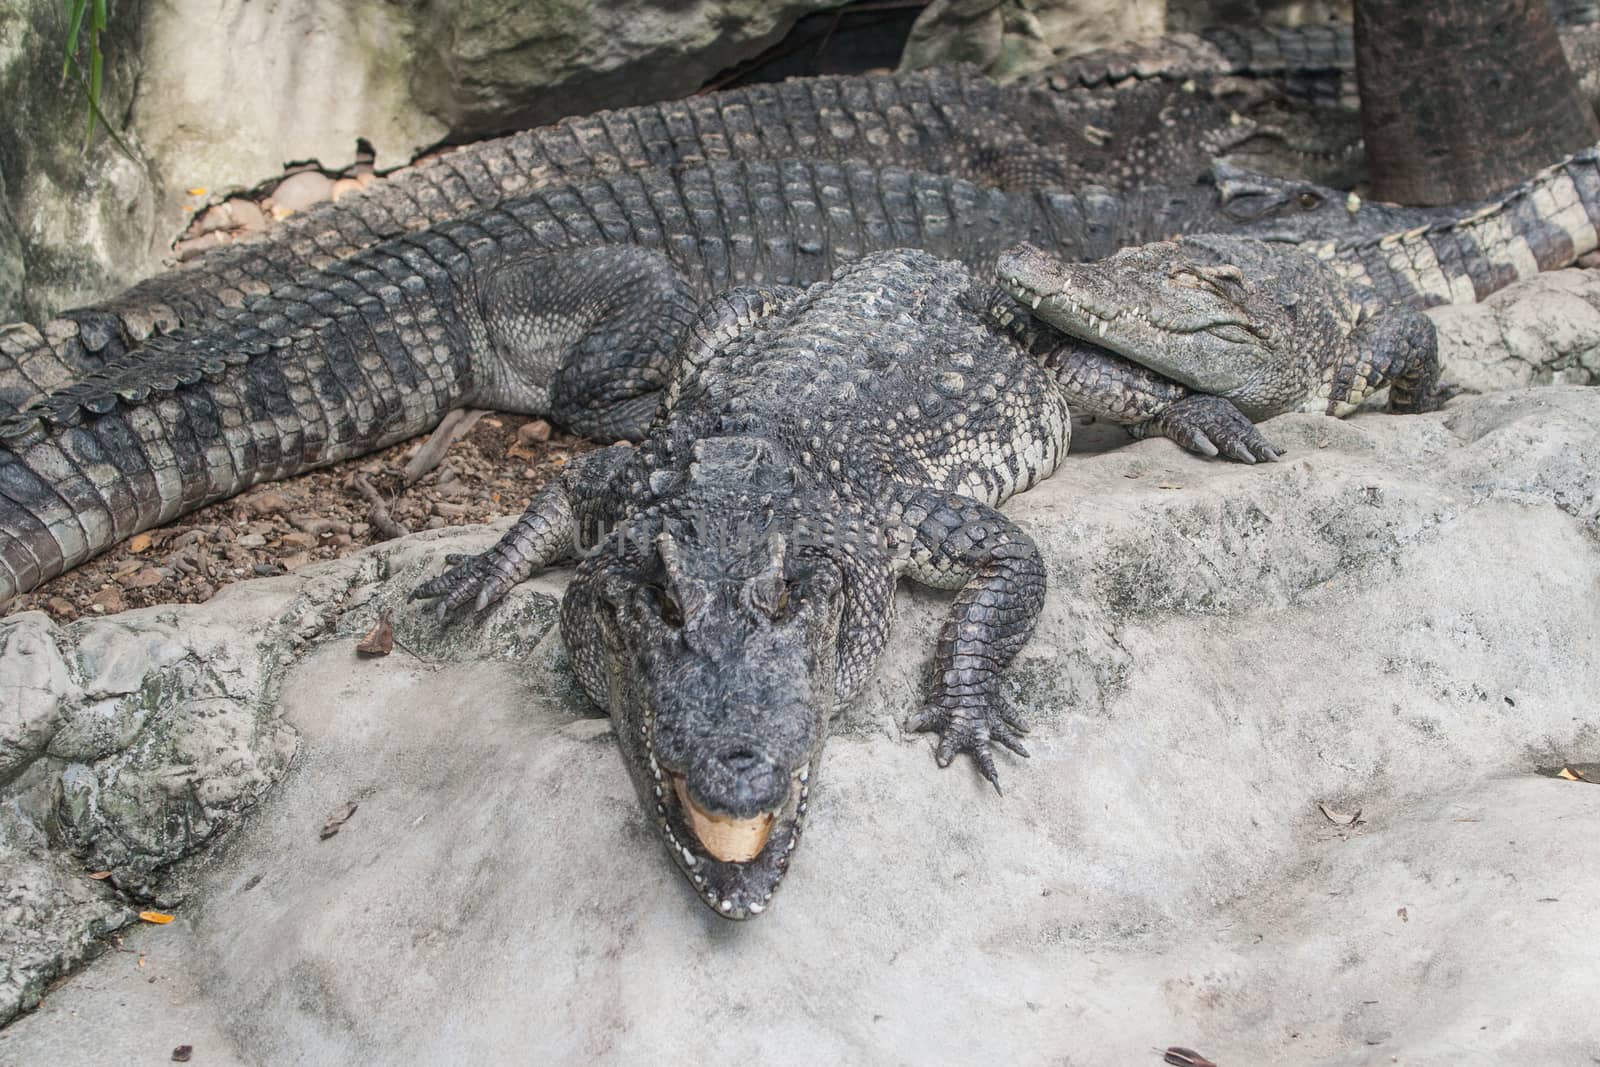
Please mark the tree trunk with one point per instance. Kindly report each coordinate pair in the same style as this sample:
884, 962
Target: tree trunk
1462, 98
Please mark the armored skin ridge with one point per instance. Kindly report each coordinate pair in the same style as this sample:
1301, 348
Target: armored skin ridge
737, 568
567, 302
1314, 62
1274, 328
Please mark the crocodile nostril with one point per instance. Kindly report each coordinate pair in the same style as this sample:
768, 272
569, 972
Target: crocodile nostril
742, 760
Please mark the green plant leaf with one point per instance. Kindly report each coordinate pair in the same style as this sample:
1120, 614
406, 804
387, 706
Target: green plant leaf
75, 10
96, 71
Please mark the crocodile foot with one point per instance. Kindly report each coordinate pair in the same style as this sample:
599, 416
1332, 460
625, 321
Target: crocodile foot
970, 724
1211, 425
482, 578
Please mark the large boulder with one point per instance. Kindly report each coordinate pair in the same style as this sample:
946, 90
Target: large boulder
489, 65
1400, 620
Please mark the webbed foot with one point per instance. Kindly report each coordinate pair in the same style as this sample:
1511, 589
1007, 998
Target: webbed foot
1211, 426
970, 724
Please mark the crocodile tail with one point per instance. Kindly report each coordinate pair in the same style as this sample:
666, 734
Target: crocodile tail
1542, 224
202, 416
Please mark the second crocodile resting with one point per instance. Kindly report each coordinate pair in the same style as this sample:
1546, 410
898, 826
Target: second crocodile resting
952, 122
1273, 328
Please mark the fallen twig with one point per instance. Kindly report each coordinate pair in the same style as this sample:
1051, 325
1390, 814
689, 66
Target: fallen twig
455, 426
378, 516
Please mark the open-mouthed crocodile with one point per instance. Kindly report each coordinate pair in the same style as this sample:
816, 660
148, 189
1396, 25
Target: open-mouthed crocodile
735, 583
1216, 329
566, 302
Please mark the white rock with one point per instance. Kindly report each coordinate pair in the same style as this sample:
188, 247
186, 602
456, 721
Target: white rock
1400, 618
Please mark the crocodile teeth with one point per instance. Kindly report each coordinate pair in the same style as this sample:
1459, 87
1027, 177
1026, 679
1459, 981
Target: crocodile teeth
727, 839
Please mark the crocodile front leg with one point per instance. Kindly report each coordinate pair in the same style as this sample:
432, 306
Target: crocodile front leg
571, 513
1103, 385
958, 542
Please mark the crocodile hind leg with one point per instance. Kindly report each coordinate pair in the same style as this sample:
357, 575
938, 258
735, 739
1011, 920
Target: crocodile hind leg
584, 336
1393, 346
956, 542
567, 515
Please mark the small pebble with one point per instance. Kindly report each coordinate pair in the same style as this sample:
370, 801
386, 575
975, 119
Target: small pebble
535, 432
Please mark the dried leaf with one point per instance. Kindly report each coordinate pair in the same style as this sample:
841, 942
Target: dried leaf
182, 1053
1573, 772
1339, 818
160, 918
198, 190
1168, 485
139, 542
100, 876
337, 820
1185, 1057
1405, 916
379, 640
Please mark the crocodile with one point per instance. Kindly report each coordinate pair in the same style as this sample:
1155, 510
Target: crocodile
946, 121
736, 569
1313, 63
567, 302
1212, 327
1278, 99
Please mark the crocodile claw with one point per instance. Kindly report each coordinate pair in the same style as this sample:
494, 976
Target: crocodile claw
1211, 425
973, 728
482, 578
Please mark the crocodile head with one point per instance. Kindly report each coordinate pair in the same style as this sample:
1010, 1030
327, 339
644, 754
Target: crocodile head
720, 631
1213, 313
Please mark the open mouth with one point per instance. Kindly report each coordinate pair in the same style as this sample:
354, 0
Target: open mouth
735, 864
726, 838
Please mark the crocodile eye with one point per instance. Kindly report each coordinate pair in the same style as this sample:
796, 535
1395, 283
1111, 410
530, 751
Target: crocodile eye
770, 596
1309, 200
666, 607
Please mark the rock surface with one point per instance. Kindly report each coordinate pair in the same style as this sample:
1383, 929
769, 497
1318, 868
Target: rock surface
74, 224
1543, 331
1401, 618
490, 65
